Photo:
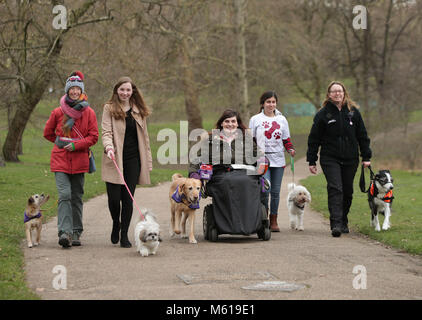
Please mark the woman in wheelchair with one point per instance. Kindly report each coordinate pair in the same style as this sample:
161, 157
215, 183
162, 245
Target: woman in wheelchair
235, 184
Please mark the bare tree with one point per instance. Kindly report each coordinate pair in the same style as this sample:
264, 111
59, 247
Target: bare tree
33, 47
375, 52
241, 74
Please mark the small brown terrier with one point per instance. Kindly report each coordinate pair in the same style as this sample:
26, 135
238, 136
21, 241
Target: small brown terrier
33, 218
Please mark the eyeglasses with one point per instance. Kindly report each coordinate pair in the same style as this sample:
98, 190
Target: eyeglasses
336, 91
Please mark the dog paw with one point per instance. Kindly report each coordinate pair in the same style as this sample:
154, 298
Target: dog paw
143, 252
386, 227
29, 245
300, 229
193, 241
177, 231
183, 236
36, 244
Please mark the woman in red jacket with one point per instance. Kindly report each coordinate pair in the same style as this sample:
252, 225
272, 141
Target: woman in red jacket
72, 128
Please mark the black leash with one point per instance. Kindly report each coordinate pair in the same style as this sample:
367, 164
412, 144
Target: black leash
362, 179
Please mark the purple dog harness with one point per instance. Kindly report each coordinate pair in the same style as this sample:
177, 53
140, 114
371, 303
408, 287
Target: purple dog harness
26, 218
179, 198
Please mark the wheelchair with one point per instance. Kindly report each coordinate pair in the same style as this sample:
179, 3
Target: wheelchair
236, 207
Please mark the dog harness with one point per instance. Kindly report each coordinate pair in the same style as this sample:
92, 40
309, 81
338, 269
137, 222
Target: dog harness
180, 197
373, 191
26, 218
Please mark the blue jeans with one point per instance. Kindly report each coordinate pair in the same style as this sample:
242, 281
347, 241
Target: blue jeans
275, 176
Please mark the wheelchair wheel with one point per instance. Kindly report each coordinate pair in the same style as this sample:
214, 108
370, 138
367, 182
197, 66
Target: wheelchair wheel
267, 234
207, 221
213, 236
264, 233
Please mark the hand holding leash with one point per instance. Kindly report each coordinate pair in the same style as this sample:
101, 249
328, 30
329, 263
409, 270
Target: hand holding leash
365, 164
110, 154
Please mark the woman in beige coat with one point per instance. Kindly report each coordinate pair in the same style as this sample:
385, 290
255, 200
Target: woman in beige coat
125, 139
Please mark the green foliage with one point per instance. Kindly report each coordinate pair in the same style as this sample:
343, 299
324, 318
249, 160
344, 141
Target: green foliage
406, 219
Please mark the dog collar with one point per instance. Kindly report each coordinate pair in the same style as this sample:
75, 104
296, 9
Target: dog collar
300, 207
26, 218
181, 197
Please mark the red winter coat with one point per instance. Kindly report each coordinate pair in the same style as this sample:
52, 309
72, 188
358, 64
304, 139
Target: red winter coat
76, 161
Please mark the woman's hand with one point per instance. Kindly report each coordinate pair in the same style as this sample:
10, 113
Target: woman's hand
69, 147
292, 152
366, 164
313, 169
110, 154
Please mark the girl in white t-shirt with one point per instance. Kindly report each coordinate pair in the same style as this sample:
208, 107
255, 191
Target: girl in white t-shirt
271, 130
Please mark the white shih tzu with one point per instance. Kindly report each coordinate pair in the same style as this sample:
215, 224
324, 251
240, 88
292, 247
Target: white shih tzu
147, 234
296, 199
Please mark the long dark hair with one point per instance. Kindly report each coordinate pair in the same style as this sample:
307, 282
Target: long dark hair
230, 114
266, 95
136, 99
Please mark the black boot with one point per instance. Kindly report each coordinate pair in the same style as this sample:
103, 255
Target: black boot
345, 229
115, 232
336, 232
124, 241
124, 227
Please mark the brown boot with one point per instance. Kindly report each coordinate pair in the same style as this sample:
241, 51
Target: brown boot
273, 223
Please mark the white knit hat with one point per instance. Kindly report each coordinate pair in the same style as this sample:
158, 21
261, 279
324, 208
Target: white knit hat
76, 79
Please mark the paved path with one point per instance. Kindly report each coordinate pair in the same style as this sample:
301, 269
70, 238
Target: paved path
100, 270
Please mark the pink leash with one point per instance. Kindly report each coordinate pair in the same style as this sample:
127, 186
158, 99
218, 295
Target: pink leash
127, 188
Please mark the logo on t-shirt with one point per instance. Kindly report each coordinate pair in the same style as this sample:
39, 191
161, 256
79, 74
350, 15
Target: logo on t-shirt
269, 133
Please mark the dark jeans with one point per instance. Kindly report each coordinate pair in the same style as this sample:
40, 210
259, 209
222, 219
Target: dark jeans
275, 176
117, 194
339, 178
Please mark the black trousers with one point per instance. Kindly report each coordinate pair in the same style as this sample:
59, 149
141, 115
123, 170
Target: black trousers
339, 178
117, 194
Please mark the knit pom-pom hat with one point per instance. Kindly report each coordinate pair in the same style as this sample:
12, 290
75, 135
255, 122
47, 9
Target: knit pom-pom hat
76, 79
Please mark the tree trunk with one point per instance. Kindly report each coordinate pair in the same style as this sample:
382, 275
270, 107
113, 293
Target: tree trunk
242, 81
366, 52
190, 89
2, 163
34, 89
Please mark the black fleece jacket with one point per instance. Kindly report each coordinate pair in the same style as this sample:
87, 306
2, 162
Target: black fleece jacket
340, 134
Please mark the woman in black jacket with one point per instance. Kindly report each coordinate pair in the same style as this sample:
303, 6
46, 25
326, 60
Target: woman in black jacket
339, 130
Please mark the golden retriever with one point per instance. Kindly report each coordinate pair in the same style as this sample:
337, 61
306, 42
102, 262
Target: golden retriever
184, 193
33, 218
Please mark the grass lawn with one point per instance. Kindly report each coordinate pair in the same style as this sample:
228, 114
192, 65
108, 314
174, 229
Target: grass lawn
406, 219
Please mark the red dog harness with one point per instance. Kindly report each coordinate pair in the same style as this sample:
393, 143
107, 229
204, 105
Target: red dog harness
373, 191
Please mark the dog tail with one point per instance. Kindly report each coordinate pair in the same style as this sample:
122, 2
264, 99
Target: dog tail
176, 176
148, 215
291, 186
